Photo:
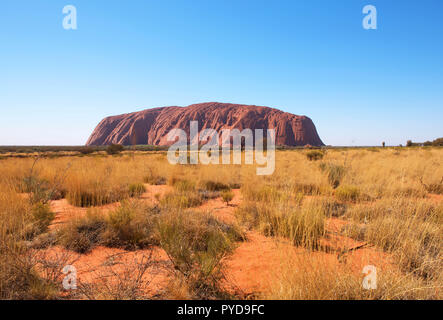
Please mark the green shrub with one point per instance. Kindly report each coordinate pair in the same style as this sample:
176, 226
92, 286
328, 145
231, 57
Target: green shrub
131, 226
114, 149
235, 185
227, 196
86, 150
42, 216
208, 195
314, 155
438, 142
196, 244
39, 189
185, 195
184, 186
347, 193
30, 183
215, 186
38, 218
136, 189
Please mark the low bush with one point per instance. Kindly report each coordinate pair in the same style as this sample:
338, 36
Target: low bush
227, 196
333, 208
136, 189
22, 276
348, 193
39, 217
42, 216
185, 195
114, 149
40, 190
86, 150
196, 244
214, 186
184, 186
208, 195
83, 234
438, 142
314, 155
131, 226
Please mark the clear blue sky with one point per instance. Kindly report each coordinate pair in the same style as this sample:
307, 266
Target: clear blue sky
360, 87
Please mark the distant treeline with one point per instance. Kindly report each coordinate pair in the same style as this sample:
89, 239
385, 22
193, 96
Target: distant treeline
81, 149
114, 149
436, 143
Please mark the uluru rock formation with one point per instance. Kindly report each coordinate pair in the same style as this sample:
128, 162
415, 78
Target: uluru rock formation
151, 126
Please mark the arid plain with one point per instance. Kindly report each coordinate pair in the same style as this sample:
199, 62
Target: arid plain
134, 226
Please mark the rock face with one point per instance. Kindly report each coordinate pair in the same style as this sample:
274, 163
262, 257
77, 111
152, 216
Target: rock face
151, 126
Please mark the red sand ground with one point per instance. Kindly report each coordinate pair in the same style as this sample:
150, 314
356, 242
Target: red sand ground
249, 270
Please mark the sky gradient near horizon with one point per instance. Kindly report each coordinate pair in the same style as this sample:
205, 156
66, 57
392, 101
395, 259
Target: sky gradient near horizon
313, 58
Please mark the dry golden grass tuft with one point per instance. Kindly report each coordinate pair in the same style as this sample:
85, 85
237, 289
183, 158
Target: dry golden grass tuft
411, 230
320, 278
130, 226
196, 243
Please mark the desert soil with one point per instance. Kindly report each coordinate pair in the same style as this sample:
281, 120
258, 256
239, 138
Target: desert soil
249, 270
